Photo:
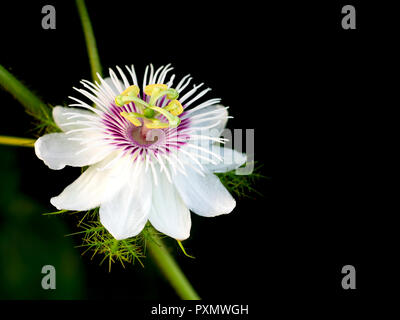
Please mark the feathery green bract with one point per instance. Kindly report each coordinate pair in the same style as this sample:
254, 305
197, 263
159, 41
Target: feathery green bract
96, 239
99, 241
242, 185
46, 125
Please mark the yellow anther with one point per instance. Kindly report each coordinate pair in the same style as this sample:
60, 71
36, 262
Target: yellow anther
131, 118
155, 124
174, 107
154, 88
131, 91
161, 125
128, 95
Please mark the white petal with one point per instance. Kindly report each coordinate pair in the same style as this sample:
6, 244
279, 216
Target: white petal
61, 117
214, 114
169, 214
93, 187
231, 159
57, 150
126, 214
204, 195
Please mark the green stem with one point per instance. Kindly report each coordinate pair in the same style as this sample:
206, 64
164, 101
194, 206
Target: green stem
16, 141
170, 269
30, 101
90, 39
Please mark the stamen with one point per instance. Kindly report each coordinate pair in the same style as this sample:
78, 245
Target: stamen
155, 124
131, 91
149, 110
154, 88
132, 117
174, 107
130, 94
173, 120
156, 91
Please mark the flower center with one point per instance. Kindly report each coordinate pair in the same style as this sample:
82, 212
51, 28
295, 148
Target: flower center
143, 135
149, 112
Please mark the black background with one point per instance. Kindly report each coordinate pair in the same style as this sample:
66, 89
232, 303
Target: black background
316, 96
